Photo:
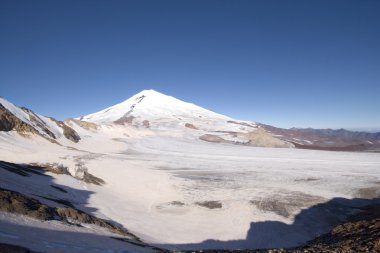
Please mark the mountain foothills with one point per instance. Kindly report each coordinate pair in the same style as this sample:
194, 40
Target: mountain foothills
154, 173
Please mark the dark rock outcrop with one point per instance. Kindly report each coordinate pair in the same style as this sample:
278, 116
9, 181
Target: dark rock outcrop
9, 122
188, 125
14, 202
210, 204
68, 132
211, 138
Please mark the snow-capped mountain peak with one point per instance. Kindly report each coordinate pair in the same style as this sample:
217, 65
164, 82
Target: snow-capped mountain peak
151, 105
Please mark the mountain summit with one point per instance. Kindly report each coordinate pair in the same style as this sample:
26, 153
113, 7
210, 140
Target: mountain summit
151, 105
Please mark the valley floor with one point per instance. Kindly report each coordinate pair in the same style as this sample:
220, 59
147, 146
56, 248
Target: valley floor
183, 193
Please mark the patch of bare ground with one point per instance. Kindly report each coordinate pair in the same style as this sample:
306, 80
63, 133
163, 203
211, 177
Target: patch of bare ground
15, 202
210, 204
211, 138
261, 138
286, 204
191, 126
146, 123
369, 192
84, 124
124, 120
177, 203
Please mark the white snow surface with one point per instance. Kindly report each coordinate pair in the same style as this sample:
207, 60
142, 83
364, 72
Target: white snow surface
151, 104
148, 172
158, 178
164, 111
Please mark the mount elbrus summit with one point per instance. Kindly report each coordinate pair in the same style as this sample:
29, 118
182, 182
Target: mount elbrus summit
154, 173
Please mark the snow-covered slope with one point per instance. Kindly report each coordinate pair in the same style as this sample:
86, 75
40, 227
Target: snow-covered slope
150, 104
168, 186
153, 109
25, 121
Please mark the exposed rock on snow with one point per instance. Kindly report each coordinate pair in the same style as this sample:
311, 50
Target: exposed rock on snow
211, 138
68, 132
55, 168
14, 202
9, 122
210, 204
81, 173
25, 121
188, 125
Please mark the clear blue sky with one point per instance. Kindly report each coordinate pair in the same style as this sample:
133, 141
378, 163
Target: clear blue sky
285, 63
